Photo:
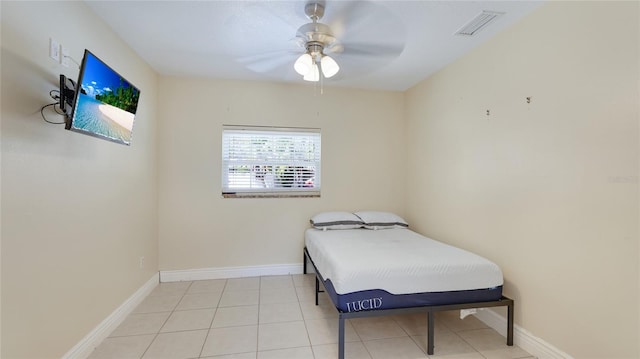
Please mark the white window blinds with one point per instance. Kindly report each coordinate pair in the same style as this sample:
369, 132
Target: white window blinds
267, 161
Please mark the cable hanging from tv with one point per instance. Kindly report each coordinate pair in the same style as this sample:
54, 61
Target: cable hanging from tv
53, 95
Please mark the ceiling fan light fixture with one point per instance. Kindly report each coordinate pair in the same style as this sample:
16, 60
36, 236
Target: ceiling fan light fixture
329, 66
303, 64
314, 64
313, 74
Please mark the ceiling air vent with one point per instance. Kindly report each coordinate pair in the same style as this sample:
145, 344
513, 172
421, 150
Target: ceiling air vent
479, 22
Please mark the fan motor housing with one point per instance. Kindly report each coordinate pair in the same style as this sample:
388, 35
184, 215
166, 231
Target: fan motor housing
316, 32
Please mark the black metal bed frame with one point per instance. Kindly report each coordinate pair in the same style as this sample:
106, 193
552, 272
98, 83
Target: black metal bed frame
430, 310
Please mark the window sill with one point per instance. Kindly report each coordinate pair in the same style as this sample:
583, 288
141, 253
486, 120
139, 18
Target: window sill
271, 195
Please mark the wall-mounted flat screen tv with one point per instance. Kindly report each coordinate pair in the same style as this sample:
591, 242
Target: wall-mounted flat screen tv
105, 103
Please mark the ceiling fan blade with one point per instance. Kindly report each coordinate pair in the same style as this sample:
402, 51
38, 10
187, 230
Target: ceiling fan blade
363, 20
354, 66
258, 26
340, 15
369, 36
360, 58
370, 49
269, 61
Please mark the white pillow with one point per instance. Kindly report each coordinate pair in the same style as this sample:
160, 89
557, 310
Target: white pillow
381, 220
336, 220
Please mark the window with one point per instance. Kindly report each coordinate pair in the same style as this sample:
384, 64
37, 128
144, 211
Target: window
270, 162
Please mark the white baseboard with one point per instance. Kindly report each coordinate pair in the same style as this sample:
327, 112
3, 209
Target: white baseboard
521, 337
229, 272
86, 346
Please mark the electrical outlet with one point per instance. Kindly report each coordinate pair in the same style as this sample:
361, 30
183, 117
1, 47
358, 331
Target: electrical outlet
54, 49
64, 56
141, 262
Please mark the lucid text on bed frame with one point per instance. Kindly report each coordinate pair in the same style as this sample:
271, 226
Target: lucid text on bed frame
365, 304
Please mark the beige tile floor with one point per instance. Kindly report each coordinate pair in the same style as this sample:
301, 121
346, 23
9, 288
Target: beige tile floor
275, 317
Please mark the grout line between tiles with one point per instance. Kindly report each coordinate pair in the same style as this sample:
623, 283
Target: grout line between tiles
165, 321
304, 322
215, 311
258, 325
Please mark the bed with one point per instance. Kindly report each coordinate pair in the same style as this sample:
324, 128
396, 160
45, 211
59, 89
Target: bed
371, 264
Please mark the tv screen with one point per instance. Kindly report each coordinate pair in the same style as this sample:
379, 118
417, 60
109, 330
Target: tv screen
105, 103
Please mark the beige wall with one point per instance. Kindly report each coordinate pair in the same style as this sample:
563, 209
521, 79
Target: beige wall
362, 167
548, 190
77, 212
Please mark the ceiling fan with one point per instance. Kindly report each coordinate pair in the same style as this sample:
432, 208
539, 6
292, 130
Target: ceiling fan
358, 37
317, 39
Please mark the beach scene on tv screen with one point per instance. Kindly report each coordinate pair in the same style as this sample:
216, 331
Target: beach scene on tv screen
106, 103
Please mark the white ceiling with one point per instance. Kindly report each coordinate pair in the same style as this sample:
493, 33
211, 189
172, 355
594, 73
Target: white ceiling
389, 45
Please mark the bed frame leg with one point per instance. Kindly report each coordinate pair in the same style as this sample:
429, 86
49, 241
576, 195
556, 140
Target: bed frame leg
430, 331
510, 310
304, 262
317, 289
340, 337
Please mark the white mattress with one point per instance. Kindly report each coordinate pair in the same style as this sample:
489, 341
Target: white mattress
399, 261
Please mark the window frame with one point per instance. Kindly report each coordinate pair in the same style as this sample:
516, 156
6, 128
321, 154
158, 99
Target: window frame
301, 166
